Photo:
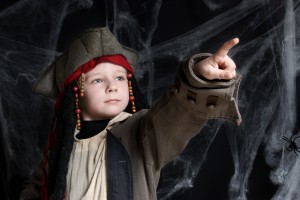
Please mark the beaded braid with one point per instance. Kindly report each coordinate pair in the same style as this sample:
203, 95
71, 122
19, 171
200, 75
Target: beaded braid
79, 99
139, 102
131, 97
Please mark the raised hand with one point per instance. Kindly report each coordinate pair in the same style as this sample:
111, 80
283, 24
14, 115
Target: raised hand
218, 65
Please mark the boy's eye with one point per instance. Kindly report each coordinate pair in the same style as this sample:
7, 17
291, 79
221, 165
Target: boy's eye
97, 81
120, 78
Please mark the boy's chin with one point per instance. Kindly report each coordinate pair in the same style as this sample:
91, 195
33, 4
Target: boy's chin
104, 114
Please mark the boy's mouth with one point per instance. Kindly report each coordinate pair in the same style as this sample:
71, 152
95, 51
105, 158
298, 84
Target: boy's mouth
112, 101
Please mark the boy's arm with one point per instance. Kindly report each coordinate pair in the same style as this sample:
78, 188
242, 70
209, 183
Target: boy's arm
183, 110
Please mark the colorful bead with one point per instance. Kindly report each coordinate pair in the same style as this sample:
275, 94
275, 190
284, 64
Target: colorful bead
131, 98
78, 111
75, 88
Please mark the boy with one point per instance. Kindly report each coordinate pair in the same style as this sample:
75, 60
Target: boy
98, 151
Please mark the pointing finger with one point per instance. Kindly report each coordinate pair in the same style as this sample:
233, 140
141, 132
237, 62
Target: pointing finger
223, 51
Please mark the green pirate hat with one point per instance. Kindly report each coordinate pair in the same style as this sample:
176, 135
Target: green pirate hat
91, 44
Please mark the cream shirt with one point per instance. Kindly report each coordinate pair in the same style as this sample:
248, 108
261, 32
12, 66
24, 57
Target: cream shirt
86, 177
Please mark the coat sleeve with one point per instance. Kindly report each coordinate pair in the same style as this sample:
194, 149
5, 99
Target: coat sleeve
183, 110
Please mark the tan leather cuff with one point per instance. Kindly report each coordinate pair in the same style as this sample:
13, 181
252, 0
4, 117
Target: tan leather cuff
209, 99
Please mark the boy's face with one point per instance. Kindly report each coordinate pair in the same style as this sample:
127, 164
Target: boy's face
106, 92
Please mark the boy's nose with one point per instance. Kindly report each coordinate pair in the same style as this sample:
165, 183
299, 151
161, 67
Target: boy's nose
111, 88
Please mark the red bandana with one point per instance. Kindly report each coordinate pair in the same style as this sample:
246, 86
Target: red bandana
115, 59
